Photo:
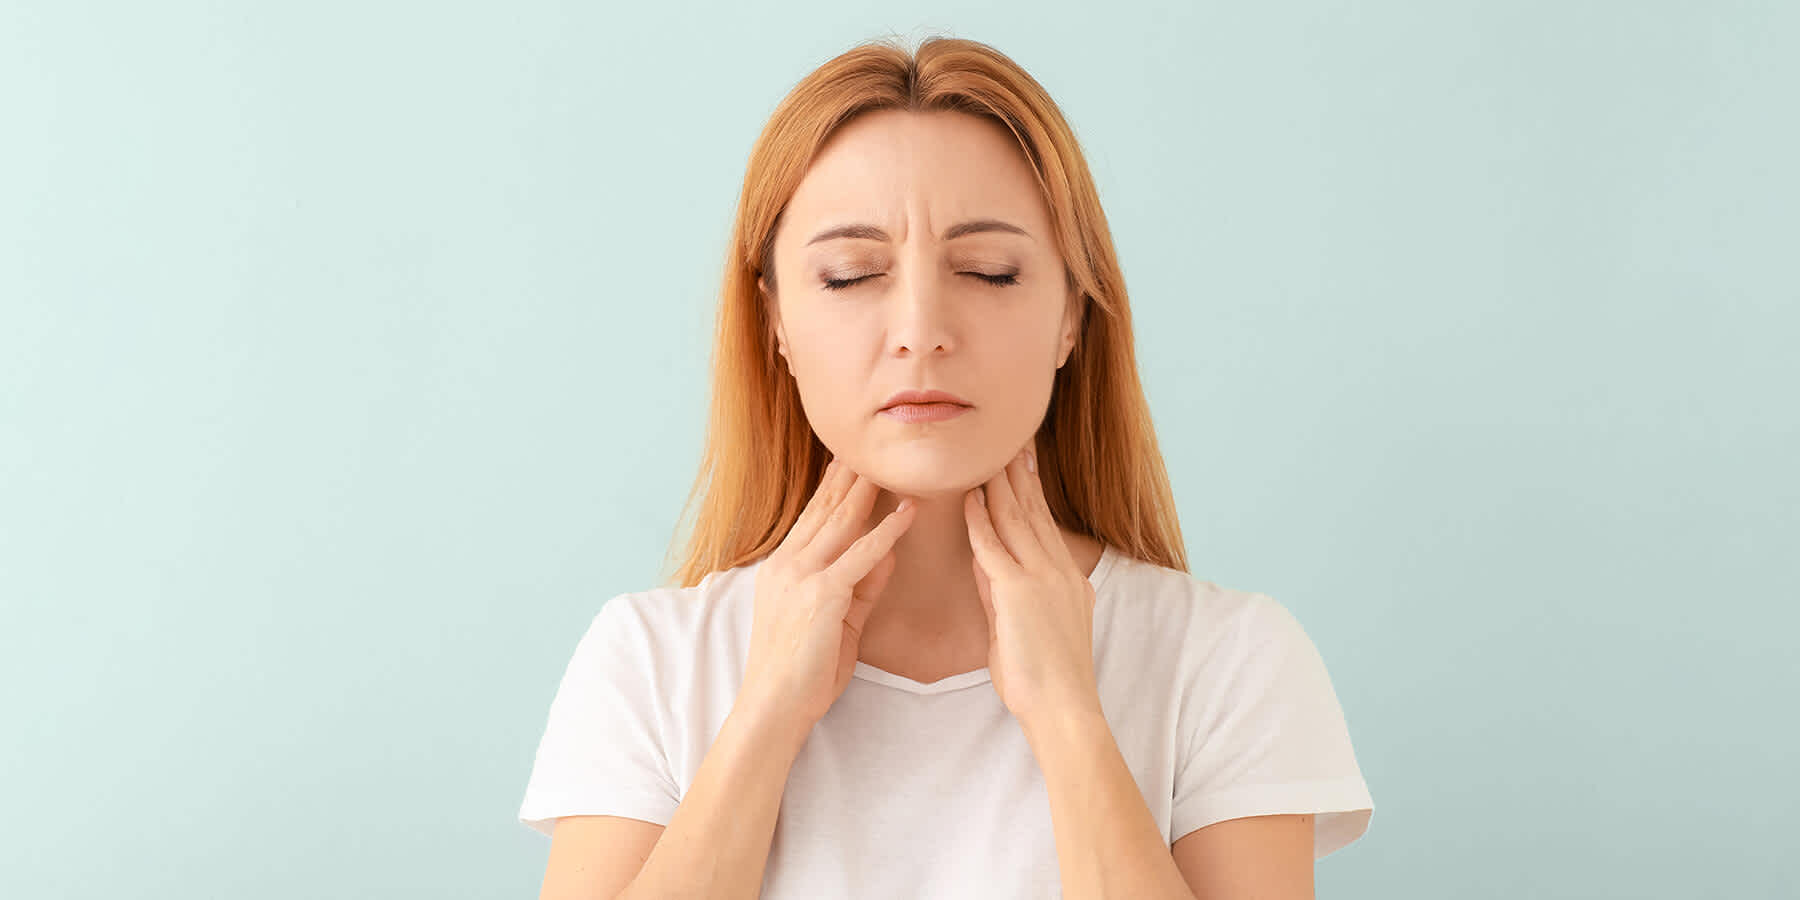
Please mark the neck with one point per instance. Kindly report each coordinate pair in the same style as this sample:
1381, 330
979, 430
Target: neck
931, 596
932, 589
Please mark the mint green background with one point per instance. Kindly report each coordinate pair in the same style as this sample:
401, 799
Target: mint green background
351, 355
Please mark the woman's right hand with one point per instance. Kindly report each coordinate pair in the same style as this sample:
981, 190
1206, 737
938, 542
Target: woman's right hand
814, 592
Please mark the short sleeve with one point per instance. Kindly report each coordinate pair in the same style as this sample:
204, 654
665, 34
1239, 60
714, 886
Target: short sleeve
602, 751
1265, 735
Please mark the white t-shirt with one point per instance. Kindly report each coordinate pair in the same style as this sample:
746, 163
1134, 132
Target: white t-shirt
1219, 701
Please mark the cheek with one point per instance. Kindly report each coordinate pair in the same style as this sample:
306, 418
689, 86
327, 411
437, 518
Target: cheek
1020, 343
829, 356
1019, 370
830, 372
1022, 389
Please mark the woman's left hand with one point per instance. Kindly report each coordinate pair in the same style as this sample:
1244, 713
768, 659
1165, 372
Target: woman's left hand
1040, 605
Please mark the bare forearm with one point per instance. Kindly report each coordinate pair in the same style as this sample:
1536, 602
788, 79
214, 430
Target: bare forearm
1107, 842
717, 843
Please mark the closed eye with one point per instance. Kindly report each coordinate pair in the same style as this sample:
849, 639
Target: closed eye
838, 284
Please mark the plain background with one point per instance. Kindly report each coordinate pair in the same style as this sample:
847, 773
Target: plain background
353, 354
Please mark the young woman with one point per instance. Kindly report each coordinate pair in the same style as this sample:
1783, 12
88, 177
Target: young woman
934, 634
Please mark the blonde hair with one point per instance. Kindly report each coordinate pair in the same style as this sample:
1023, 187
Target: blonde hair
1102, 472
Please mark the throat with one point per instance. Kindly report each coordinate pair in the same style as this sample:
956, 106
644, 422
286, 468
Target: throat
924, 654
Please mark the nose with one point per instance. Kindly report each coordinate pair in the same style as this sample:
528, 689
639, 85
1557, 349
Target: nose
920, 315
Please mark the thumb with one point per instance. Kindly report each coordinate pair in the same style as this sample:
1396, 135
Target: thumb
987, 602
867, 591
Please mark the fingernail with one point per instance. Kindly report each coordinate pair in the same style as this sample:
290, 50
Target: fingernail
981, 496
905, 505
1031, 460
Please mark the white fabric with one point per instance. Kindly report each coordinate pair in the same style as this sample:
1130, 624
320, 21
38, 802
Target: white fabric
1219, 701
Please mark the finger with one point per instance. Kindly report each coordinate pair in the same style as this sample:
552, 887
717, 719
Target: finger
824, 499
990, 552
1008, 518
846, 523
987, 601
1028, 489
867, 591
859, 559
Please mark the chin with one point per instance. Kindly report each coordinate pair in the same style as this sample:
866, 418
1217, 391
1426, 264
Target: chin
926, 475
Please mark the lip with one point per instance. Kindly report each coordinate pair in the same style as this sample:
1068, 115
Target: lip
924, 412
923, 397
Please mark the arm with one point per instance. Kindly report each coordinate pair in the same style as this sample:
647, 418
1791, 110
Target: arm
717, 843
1107, 842
1267, 857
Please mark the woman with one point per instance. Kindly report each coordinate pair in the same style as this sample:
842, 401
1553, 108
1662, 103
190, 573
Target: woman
934, 634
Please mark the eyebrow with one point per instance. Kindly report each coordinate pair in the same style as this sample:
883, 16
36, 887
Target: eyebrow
871, 233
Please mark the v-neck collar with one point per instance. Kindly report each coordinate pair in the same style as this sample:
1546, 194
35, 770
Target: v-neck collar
1102, 568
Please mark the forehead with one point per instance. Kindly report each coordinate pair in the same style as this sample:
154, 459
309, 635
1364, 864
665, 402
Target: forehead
907, 171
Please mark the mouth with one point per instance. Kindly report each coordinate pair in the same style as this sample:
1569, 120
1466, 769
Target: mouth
913, 413
921, 397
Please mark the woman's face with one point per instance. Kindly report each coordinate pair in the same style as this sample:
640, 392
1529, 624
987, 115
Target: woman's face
910, 300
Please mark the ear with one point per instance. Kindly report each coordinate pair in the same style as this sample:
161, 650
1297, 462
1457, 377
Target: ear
1071, 326
775, 317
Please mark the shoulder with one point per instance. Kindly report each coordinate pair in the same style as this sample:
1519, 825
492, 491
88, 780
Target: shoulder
1137, 589
1200, 621
677, 616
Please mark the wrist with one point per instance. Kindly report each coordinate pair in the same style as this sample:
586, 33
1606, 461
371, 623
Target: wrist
770, 720
1062, 720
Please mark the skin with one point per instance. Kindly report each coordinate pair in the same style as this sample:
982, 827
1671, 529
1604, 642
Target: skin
925, 320
923, 324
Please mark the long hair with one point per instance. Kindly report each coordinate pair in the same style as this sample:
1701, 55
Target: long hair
1102, 472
